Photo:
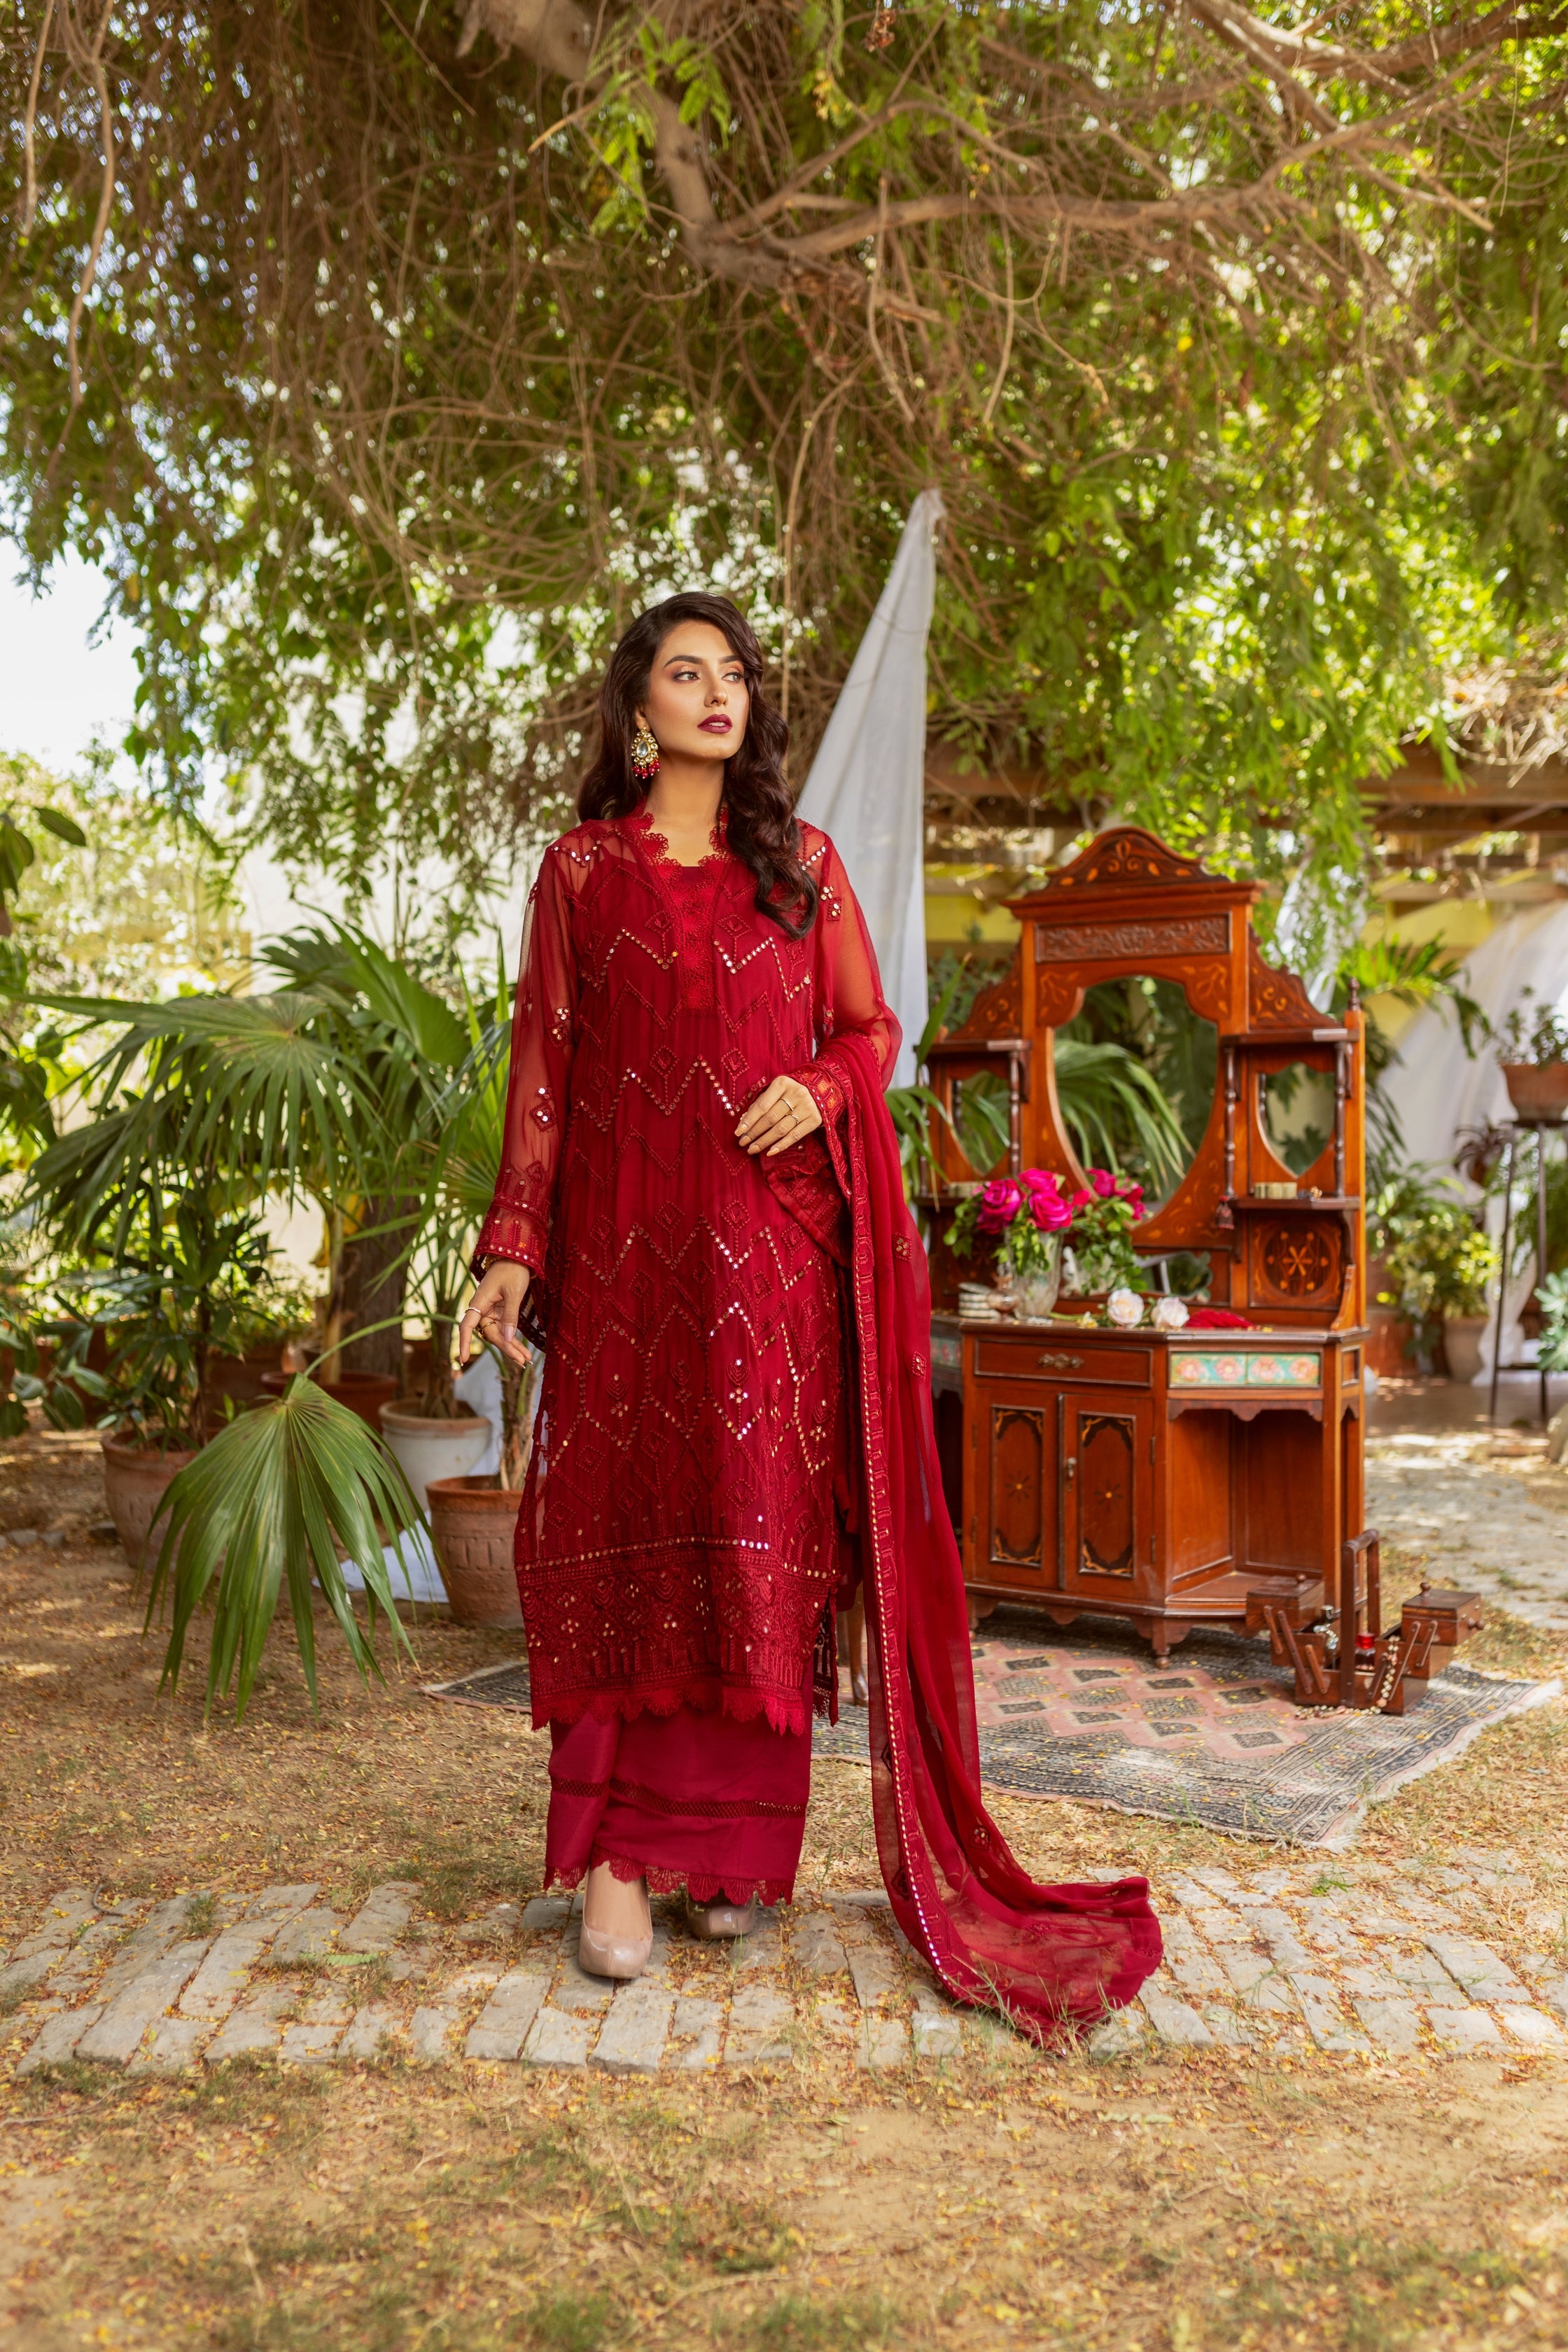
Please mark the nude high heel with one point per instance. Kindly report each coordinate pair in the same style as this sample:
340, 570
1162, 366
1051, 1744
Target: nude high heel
609, 1952
714, 1923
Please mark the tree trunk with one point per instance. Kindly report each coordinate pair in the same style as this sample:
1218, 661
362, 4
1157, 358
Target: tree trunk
370, 1285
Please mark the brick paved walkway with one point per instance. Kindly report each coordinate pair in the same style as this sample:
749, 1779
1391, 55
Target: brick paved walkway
1355, 1960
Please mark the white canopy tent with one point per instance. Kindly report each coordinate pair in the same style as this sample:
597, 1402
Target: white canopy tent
867, 785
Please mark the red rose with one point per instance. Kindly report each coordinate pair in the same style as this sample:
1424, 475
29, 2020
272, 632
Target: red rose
999, 1205
1050, 1212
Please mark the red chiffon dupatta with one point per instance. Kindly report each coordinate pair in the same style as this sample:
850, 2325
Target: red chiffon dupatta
1045, 1956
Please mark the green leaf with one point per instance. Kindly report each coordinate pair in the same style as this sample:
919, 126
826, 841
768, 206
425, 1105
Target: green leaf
397, 997
1106, 1093
270, 1501
64, 828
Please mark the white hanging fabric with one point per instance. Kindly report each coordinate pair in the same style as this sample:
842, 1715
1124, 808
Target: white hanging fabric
1437, 1088
867, 785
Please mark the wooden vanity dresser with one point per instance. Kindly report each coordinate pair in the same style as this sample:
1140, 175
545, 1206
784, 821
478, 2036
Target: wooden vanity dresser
1184, 1478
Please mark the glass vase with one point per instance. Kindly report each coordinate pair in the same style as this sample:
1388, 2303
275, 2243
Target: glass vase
1034, 1289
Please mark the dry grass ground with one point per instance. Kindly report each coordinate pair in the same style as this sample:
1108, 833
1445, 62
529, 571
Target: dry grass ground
1187, 2201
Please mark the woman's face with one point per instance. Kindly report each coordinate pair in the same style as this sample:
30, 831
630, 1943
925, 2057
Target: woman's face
697, 704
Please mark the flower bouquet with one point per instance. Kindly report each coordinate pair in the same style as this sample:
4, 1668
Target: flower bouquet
1103, 1216
1027, 1215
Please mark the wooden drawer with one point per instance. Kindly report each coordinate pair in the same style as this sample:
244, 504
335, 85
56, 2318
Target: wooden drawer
1037, 1358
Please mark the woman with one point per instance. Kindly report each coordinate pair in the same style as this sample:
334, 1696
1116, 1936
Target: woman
701, 1216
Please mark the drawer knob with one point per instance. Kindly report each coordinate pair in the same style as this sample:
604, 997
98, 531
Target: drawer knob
1063, 1363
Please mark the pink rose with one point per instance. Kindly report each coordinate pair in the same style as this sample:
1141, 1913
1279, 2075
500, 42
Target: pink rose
1103, 1182
1040, 1179
1079, 1199
999, 1205
1133, 1196
1050, 1212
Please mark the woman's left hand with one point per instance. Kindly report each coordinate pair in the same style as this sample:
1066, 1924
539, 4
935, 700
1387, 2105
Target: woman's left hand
778, 1118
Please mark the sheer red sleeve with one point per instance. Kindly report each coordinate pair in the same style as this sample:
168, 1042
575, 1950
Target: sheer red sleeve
543, 1031
849, 1000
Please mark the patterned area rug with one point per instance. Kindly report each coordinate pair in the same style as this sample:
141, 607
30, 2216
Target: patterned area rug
1212, 1738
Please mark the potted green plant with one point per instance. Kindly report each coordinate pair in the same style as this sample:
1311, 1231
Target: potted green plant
1438, 1266
1532, 1055
473, 1519
167, 1308
435, 1435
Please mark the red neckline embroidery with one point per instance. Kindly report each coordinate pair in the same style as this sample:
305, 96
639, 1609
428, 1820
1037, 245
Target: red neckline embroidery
659, 851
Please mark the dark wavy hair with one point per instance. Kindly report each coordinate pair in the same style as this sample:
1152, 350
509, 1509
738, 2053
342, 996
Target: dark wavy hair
759, 813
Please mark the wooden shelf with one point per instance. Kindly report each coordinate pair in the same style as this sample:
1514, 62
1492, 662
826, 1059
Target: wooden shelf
1257, 1203
1258, 1041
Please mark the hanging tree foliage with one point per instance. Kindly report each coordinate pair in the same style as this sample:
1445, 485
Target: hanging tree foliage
390, 355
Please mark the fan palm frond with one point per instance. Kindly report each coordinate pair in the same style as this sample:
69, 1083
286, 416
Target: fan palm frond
271, 1499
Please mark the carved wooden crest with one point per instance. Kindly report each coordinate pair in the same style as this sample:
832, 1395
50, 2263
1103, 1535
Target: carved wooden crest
998, 1010
1127, 854
1173, 935
1276, 999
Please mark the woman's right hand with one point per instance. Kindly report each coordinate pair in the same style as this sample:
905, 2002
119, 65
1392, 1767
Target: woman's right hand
491, 1313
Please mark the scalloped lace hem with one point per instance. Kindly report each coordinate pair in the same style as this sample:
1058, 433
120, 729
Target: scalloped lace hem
701, 1887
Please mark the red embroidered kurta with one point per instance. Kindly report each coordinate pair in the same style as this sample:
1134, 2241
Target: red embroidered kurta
680, 1528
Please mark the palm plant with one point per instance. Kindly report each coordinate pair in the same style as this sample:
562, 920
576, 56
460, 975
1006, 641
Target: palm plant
464, 1182
334, 1087
1111, 1106
330, 1087
913, 1109
1417, 973
284, 1494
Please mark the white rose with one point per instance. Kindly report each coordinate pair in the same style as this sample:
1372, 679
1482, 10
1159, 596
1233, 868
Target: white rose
1125, 1308
1170, 1314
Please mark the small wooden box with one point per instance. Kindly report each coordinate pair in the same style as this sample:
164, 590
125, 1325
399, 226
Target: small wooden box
1453, 1616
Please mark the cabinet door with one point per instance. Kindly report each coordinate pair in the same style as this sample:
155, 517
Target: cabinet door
1013, 1532
1107, 1492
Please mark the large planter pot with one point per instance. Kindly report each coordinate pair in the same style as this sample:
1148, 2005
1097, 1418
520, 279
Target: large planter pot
362, 1392
473, 1524
1537, 1090
1390, 1343
1462, 1336
245, 1378
427, 1449
136, 1479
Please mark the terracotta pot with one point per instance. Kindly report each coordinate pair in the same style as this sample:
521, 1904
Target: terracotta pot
135, 1479
1390, 1351
473, 1524
1537, 1089
427, 1449
1462, 1344
362, 1392
244, 1377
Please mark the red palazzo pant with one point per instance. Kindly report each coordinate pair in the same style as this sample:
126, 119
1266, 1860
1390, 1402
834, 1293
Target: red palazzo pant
693, 1799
